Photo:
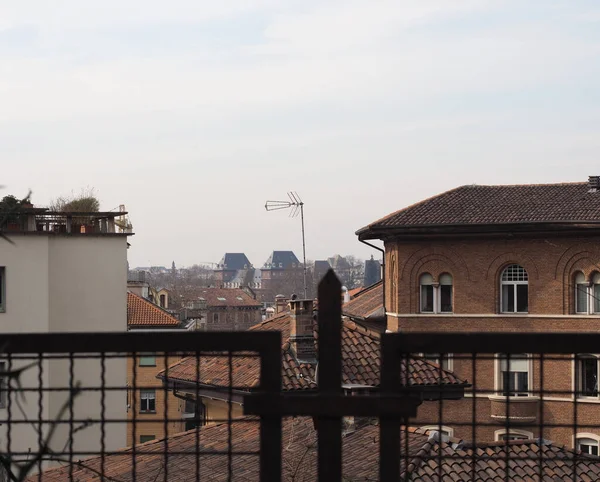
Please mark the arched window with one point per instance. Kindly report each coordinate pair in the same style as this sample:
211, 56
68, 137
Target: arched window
514, 293
595, 289
581, 293
512, 434
587, 443
426, 282
443, 429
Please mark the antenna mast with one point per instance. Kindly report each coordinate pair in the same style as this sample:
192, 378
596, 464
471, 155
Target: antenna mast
296, 206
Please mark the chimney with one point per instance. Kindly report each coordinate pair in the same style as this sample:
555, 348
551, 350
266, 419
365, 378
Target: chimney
280, 304
594, 182
302, 336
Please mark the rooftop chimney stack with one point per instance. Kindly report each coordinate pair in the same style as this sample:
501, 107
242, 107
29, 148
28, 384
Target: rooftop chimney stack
594, 182
280, 304
302, 336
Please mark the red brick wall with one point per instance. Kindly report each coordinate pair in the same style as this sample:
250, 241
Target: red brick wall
476, 266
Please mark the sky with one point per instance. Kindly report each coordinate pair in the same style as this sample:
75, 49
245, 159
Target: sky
194, 113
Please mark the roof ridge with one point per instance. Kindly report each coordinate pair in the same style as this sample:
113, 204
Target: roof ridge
406, 208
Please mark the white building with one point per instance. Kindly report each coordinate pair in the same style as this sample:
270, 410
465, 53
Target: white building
64, 273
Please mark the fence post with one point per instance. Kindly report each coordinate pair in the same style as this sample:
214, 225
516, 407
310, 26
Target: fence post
330, 375
389, 426
270, 425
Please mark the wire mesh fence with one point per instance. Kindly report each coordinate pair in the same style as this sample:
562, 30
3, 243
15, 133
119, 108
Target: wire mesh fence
175, 406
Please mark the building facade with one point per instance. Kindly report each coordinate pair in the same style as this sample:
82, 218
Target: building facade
503, 259
64, 272
225, 309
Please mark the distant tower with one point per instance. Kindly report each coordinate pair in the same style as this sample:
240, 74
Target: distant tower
372, 271
173, 266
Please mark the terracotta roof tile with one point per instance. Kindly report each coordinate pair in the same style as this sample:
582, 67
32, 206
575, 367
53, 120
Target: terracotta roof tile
368, 303
473, 204
360, 462
360, 355
526, 460
141, 312
427, 460
222, 297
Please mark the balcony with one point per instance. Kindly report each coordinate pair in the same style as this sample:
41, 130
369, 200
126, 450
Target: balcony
514, 409
40, 220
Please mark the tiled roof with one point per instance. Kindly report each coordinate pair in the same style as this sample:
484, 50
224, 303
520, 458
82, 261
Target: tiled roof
481, 205
281, 260
234, 261
223, 297
427, 460
527, 459
366, 303
354, 291
360, 363
141, 312
299, 457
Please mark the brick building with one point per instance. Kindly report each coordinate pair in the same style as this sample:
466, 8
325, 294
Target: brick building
282, 273
147, 405
228, 267
226, 309
503, 259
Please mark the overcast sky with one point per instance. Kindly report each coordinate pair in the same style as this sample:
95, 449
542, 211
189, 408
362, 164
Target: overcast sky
193, 113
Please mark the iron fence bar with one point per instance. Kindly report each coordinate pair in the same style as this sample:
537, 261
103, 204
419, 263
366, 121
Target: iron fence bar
555, 343
389, 427
118, 342
270, 424
329, 380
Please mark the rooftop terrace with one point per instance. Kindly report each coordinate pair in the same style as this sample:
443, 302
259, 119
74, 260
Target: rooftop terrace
44, 221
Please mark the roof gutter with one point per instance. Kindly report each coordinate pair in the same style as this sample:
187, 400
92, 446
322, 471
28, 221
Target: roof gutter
382, 251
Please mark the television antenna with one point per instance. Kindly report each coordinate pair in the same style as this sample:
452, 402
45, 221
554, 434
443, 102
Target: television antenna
296, 206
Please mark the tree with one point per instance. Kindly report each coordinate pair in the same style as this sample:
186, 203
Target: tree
85, 201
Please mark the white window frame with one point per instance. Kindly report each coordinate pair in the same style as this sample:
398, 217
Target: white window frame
144, 395
498, 375
435, 359
514, 284
590, 288
449, 431
587, 437
577, 376
512, 432
436, 293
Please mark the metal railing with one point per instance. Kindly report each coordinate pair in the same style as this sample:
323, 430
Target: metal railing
115, 406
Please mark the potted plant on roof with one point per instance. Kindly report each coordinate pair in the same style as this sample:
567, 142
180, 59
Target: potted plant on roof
84, 202
10, 217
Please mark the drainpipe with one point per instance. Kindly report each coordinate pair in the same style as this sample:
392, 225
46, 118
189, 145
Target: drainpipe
382, 251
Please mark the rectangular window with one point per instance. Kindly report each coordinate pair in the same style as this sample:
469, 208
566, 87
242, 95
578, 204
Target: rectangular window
508, 298
581, 299
147, 400
148, 359
588, 377
597, 298
427, 298
515, 376
446, 298
147, 438
215, 317
522, 298
588, 446
2, 289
